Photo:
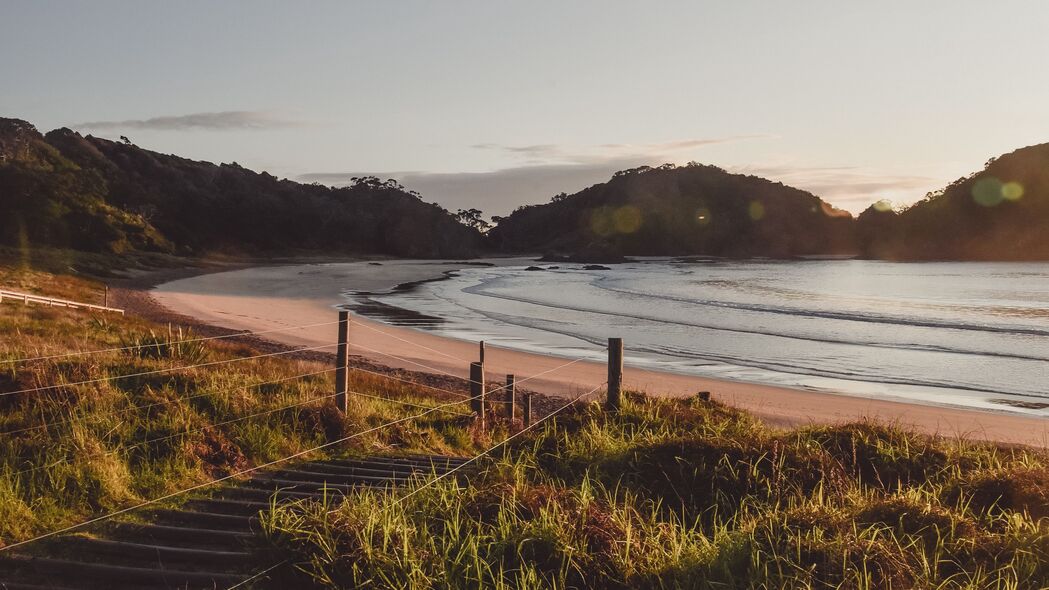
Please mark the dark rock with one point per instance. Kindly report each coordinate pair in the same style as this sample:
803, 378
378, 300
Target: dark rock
535, 268
595, 267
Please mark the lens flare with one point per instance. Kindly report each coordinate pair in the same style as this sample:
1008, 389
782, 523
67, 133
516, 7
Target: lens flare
1013, 191
601, 222
988, 191
756, 210
627, 219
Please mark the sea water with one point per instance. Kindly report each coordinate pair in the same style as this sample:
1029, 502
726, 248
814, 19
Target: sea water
963, 334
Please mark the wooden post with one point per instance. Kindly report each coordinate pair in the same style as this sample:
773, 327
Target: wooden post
106, 300
527, 417
615, 373
511, 397
477, 390
342, 361
481, 352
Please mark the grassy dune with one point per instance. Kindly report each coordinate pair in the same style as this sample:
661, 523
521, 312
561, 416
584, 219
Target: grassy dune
664, 494
69, 452
690, 494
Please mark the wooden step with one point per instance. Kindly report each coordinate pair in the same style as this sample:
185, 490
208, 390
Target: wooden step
375, 471
204, 520
159, 555
186, 535
347, 478
66, 571
229, 506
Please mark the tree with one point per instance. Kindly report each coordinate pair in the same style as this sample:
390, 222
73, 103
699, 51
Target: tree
473, 218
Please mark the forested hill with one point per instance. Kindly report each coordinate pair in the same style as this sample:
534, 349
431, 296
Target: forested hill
86, 193
689, 210
998, 213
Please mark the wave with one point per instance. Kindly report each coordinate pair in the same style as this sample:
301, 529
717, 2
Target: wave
479, 290
834, 315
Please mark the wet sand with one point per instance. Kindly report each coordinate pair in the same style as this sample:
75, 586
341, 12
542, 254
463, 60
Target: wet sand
277, 297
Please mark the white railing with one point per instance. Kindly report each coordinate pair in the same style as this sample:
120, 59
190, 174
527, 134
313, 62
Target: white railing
27, 298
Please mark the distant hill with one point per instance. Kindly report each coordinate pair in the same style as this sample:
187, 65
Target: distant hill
86, 193
689, 210
998, 213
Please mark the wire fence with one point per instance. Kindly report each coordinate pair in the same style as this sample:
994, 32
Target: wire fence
180, 341
165, 403
167, 370
450, 407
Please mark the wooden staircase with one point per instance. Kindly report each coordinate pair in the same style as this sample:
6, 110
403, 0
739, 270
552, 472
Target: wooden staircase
208, 542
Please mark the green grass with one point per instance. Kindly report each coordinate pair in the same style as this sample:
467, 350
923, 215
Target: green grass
72, 451
690, 494
664, 494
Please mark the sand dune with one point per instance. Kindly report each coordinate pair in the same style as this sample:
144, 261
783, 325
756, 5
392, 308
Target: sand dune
269, 298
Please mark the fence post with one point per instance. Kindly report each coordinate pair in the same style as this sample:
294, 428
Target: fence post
615, 373
481, 352
342, 361
477, 390
511, 397
527, 410
106, 304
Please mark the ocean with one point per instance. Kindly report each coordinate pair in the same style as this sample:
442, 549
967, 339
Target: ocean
960, 334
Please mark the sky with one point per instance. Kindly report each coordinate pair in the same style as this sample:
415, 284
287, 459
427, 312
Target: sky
498, 104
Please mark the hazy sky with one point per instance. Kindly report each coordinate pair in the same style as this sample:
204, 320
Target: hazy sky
496, 104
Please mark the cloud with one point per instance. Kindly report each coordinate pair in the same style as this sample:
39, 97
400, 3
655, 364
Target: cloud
540, 172
500, 191
495, 192
220, 121
548, 169
849, 187
649, 152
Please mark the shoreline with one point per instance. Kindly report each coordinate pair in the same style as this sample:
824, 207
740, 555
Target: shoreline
274, 297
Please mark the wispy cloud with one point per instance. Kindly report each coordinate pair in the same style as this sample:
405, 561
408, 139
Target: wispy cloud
549, 153
538, 172
219, 121
850, 187
495, 192
543, 170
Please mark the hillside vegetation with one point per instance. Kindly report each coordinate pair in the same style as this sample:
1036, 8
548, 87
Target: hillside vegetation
675, 211
64, 190
998, 213
88, 194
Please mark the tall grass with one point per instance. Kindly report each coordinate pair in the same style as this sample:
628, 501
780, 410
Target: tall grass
72, 450
690, 494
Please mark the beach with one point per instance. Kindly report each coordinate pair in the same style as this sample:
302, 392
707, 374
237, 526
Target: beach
266, 298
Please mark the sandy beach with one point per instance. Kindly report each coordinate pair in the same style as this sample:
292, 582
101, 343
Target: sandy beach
278, 297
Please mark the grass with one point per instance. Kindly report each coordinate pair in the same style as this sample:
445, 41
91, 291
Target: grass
664, 494
690, 494
81, 445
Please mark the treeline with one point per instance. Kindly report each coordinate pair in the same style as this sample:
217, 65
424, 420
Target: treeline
689, 210
70, 191
998, 213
